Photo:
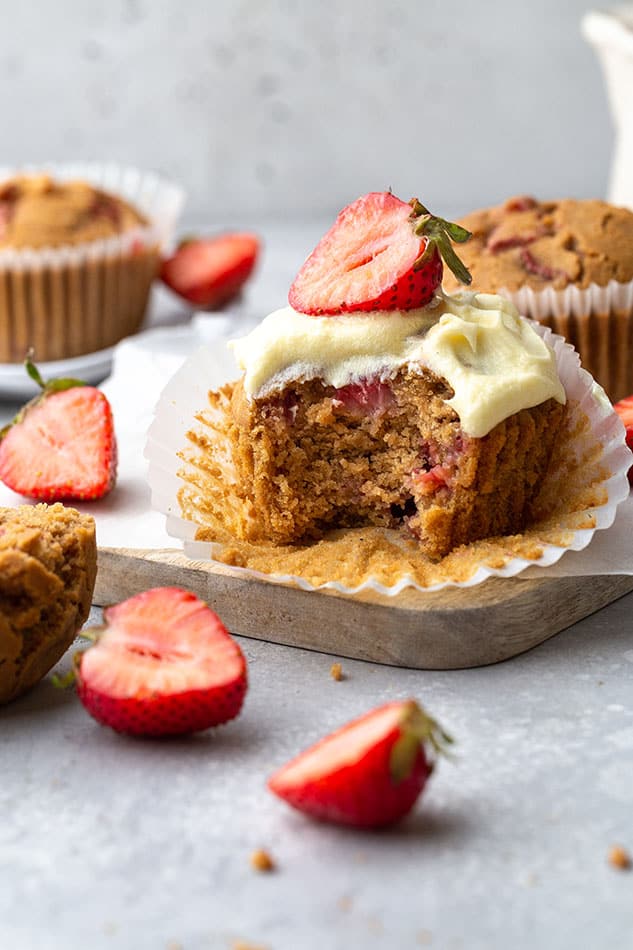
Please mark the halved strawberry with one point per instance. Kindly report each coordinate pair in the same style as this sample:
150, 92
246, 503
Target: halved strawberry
368, 773
61, 445
208, 272
163, 665
624, 409
380, 254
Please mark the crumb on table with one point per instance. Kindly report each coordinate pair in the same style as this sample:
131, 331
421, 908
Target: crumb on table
619, 858
262, 861
336, 672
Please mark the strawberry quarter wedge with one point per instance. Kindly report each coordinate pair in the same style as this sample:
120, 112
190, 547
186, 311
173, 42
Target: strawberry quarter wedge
209, 272
624, 409
367, 774
61, 446
163, 665
381, 253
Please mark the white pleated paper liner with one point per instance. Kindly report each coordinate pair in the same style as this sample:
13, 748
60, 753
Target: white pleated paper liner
209, 368
158, 199
539, 304
597, 321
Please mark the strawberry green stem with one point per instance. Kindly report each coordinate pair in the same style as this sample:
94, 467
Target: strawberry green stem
47, 387
439, 233
418, 728
63, 680
51, 385
33, 371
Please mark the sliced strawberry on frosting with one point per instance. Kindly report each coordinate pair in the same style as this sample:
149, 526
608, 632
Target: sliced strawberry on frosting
380, 254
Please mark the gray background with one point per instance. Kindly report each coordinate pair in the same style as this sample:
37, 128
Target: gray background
284, 109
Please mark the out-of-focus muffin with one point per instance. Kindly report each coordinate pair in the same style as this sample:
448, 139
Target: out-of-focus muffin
37, 212
568, 264
48, 566
76, 265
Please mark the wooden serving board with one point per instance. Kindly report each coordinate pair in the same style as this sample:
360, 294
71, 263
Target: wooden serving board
448, 629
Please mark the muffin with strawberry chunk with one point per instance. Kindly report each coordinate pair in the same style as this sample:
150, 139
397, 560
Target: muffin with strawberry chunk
567, 264
79, 248
377, 400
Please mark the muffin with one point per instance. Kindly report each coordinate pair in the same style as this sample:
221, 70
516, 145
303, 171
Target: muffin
568, 264
77, 259
445, 448
36, 211
384, 433
48, 566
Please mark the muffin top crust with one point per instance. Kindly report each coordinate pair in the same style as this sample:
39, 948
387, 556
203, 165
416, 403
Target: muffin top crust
539, 244
36, 212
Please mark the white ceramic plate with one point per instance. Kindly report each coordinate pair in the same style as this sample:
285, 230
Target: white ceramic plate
90, 367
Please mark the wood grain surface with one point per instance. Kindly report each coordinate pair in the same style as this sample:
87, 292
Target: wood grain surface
449, 629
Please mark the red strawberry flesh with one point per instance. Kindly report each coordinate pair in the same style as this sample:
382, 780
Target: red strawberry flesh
624, 409
366, 261
367, 774
521, 203
209, 272
165, 665
62, 448
539, 268
368, 397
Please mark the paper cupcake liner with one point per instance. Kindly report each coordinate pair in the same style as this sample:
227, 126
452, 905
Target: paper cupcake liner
71, 300
599, 456
597, 321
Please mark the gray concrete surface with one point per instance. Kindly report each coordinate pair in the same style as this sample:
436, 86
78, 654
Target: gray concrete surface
112, 843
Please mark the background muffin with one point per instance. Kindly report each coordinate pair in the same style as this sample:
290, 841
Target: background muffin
568, 264
36, 211
79, 248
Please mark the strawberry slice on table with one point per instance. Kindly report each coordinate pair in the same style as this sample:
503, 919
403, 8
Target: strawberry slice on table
208, 272
381, 253
61, 445
163, 665
368, 773
624, 409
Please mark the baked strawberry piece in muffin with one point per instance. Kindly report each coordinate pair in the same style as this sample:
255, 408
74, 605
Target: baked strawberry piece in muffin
375, 399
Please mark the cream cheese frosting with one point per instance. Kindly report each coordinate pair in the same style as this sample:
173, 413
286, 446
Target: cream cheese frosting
492, 358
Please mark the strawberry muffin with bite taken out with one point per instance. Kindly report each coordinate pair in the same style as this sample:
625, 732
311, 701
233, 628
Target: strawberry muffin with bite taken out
375, 399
